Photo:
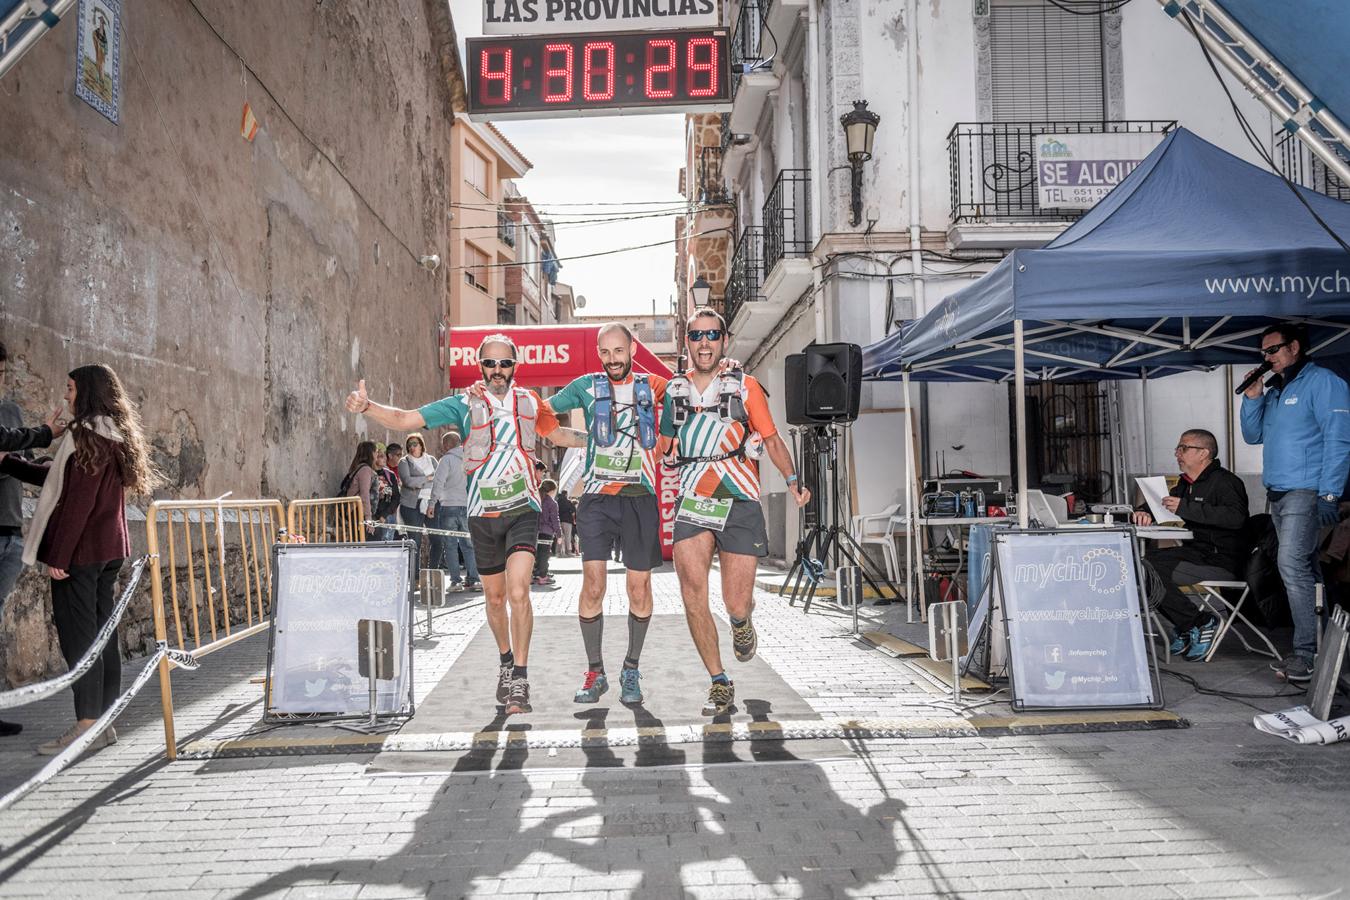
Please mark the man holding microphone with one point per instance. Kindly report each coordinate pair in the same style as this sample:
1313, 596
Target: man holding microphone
1302, 419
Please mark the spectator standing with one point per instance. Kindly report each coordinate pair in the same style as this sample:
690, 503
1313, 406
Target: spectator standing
15, 437
415, 471
450, 499
393, 455
549, 529
1302, 422
567, 517
362, 480
79, 532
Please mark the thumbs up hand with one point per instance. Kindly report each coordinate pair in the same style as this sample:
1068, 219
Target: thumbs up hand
357, 400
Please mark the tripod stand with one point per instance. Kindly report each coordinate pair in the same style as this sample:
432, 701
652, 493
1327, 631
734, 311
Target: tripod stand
822, 536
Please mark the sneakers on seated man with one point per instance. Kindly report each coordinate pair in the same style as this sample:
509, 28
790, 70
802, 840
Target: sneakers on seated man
1212, 501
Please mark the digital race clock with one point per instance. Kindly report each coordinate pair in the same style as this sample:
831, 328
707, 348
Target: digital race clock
649, 71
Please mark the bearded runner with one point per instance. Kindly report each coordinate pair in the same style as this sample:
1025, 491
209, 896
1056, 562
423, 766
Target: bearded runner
715, 426
618, 502
500, 425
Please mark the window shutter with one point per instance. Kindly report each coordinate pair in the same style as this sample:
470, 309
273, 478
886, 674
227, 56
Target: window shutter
1046, 63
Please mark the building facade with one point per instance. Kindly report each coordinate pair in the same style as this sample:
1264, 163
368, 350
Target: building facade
484, 239
961, 88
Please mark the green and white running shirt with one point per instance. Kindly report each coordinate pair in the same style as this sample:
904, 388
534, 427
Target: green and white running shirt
624, 468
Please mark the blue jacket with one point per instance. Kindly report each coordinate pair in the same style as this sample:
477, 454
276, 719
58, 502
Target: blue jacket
1305, 427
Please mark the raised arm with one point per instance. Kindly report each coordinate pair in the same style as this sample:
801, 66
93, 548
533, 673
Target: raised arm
391, 417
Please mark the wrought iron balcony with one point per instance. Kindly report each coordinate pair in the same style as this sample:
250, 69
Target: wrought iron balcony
787, 221
747, 272
746, 41
506, 228
1303, 167
712, 189
993, 167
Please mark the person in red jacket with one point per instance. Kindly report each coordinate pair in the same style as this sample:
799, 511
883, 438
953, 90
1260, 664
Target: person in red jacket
79, 531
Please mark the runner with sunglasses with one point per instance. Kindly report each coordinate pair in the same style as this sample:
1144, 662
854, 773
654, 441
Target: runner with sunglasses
715, 425
500, 425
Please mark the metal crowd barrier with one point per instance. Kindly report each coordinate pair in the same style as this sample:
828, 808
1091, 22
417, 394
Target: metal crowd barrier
310, 519
200, 603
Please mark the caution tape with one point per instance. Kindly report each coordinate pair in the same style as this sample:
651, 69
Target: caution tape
32, 693
180, 657
370, 523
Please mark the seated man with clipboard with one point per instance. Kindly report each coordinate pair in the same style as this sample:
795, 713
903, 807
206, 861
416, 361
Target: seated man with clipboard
1212, 503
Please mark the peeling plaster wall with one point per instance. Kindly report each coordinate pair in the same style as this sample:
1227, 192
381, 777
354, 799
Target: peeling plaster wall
238, 288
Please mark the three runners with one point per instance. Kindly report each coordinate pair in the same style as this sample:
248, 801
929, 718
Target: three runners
500, 425
715, 425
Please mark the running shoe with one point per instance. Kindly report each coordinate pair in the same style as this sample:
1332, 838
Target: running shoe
592, 686
471, 586
504, 681
456, 587
1202, 638
744, 640
1293, 669
630, 690
1181, 641
519, 699
720, 698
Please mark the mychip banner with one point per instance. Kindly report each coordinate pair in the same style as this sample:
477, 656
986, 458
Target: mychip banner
545, 17
1074, 171
326, 597
1074, 621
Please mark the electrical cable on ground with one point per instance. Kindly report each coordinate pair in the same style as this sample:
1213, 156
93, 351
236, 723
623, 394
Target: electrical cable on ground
1235, 696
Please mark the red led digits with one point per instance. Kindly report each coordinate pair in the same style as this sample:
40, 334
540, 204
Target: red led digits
700, 78
495, 73
598, 61
557, 78
660, 70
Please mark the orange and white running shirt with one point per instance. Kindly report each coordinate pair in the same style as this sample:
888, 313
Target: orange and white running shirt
705, 434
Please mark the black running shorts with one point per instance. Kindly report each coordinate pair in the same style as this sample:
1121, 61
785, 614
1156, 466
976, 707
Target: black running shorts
634, 520
744, 532
497, 537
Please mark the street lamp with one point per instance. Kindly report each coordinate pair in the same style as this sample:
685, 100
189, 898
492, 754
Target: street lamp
860, 127
699, 292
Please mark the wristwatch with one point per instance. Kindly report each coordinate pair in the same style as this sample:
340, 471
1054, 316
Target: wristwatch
1330, 498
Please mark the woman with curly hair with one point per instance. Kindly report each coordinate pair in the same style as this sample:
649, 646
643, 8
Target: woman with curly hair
79, 531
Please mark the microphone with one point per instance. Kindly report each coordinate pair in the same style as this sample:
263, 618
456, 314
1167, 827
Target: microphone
1253, 378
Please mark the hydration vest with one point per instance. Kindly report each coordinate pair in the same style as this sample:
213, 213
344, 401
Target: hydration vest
605, 416
481, 442
730, 409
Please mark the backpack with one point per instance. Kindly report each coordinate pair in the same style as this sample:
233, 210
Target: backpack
389, 496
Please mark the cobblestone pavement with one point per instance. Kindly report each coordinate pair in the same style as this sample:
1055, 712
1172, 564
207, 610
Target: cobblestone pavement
1216, 810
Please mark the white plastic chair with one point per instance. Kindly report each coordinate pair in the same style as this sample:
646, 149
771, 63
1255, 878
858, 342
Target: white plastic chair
1210, 593
882, 529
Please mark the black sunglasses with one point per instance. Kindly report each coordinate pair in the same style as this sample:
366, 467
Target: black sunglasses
1274, 348
494, 363
699, 334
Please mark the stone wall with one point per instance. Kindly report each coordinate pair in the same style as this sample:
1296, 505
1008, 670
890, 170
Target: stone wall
238, 288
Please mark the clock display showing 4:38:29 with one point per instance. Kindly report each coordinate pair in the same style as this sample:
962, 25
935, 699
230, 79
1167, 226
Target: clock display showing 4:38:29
598, 71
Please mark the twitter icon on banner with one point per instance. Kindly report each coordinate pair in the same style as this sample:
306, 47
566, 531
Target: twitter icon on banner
1054, 680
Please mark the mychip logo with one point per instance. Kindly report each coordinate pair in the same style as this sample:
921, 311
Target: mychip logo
1103, 571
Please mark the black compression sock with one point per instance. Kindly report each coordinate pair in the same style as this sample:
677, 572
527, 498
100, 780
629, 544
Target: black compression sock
508, 658
519, 672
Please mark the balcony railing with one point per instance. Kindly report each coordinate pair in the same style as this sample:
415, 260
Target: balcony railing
746, 41
747, 272
993, 167
1301, 166
787, 223
711, 188
506, 228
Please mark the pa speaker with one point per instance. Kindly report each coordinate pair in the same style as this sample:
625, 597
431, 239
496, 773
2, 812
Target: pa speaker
823, 384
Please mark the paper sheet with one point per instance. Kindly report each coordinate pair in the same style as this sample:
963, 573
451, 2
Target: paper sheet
1154, 489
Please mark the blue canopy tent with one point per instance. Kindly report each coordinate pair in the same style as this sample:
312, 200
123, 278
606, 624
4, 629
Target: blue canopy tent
1179, 268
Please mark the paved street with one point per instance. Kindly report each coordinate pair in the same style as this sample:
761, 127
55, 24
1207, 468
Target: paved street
1216, 809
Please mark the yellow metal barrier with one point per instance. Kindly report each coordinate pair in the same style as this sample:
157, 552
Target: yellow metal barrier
200, 603
310, 519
